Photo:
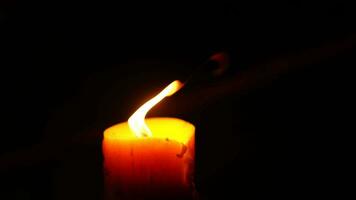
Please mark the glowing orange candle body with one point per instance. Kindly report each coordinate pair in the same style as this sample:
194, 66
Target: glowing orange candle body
152, 160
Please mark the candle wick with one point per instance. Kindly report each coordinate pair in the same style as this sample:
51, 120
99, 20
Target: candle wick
144, 134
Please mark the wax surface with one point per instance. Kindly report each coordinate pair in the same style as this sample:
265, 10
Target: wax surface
161, 166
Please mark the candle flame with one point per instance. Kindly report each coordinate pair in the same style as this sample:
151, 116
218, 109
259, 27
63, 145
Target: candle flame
137, 120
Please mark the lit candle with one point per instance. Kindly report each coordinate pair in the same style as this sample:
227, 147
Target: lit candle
152, 158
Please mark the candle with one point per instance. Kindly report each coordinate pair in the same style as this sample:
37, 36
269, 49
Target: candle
152, 158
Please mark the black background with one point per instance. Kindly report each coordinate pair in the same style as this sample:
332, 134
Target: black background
70, 69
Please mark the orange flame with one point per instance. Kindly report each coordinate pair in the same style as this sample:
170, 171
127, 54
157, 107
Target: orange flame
137, 120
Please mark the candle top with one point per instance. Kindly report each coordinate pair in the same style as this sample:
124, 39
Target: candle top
161, 127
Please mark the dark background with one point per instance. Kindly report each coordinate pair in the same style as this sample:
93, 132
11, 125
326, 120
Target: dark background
70, 70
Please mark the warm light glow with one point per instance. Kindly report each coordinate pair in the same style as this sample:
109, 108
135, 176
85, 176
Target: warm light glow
164, 128
137, 120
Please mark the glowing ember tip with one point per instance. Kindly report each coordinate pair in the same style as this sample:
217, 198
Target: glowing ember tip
137, 120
